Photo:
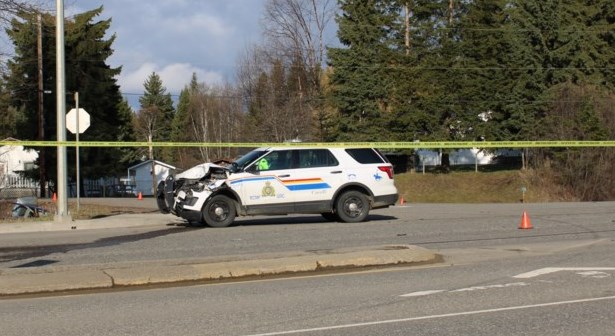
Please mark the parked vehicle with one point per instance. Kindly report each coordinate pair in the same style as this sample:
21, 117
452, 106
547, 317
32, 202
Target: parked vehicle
341, 184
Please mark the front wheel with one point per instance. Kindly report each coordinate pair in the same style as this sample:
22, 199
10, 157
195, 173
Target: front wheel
160, 199
352, 206
219, 211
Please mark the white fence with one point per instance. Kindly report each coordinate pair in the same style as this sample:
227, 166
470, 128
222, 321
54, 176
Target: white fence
16, 181
13, 186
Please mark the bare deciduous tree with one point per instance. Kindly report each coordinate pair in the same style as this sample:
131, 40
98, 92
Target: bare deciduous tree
8, 10
215, 116
297, 27
146, 126
281, 80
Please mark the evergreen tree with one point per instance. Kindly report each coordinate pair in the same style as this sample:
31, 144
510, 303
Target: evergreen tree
9, 117
127, 133
362, 79
157, 108
483, 51
86, 53
556, 42
435, 76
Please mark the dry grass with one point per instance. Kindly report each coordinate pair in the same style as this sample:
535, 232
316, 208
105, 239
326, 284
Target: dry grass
482, 187
86, 211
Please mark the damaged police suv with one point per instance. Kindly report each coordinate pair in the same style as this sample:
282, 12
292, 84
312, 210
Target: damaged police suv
341, 184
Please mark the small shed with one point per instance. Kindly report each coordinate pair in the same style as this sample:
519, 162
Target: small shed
146, 175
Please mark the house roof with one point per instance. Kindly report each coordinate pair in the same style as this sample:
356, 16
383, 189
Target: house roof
158, 163
10, 139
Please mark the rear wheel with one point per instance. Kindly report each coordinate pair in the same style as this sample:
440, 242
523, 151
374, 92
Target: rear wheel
352, 206
219, 211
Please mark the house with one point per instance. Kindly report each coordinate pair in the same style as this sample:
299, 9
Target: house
13, 160
465, 156
146, 175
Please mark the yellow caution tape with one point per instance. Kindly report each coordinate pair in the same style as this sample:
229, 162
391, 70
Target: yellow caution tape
388, 145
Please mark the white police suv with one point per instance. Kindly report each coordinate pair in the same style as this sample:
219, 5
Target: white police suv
341, 184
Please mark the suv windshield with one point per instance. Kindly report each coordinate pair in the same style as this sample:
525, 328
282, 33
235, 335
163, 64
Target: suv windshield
245, 160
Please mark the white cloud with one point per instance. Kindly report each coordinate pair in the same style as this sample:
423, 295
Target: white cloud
174, 77
176, 38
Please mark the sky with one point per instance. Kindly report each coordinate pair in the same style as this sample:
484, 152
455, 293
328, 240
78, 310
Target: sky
176, 38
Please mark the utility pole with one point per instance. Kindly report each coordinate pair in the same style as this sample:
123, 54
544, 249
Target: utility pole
41, 115
62, 214
407, 24
77, 152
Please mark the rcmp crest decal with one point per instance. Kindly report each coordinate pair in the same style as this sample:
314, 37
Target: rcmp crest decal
268, 190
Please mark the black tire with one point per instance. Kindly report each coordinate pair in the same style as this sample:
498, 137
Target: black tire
330, 216
219, 211
160, 200
352, 206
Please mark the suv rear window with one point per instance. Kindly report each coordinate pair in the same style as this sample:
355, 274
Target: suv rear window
311, 158
365, 155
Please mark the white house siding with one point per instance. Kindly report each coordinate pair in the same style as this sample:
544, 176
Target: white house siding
466, 156
14, 159
141, 174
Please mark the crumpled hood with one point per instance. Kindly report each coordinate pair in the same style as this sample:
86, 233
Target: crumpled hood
199, 171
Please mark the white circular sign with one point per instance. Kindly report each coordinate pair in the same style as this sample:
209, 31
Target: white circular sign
71, 120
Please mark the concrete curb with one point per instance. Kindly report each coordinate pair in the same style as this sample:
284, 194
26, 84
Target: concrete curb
48, 280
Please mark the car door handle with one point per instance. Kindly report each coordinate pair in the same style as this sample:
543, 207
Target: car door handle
336, 172
285, 175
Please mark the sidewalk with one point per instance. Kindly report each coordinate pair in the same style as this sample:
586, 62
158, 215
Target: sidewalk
114, 221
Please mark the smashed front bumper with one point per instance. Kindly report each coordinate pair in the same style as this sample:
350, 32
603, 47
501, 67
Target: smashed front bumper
183, 201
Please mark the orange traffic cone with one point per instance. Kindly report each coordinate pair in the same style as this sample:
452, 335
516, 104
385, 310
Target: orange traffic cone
139, 196
54, 197
525, 222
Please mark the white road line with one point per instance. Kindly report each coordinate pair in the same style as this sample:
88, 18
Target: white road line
475, 288
594, 274
423, 293
430, 317
468, 289
549, 270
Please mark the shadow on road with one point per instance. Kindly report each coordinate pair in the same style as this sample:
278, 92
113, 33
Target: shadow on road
8, 254
300, 220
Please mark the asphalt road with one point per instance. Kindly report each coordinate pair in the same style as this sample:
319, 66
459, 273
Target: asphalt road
433, 226
543, 287
556, 279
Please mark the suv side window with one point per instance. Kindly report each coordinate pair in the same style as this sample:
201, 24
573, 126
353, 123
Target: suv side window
312, 158
365, 155
279, 160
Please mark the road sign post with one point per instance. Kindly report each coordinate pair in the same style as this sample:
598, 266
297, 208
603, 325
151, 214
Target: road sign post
77, 121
